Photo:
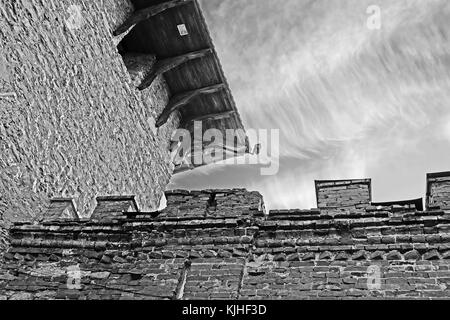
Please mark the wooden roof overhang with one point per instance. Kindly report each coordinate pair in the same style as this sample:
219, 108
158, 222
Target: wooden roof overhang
188, 62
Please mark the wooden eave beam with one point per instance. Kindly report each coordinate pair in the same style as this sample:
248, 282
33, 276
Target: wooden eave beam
168, 64
180, 100
147, 13
212, 116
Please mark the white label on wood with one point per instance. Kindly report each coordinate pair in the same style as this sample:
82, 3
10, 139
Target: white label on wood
182, 30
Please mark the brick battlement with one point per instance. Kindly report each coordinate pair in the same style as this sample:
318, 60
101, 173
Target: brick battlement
438, 190
229, 247
333, 194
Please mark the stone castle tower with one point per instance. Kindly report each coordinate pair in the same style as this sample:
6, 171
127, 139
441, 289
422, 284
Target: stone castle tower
91, 94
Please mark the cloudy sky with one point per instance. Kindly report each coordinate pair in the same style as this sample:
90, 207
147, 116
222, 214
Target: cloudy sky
350, 101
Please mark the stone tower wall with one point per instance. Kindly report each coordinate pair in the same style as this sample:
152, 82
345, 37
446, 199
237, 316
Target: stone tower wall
72, 123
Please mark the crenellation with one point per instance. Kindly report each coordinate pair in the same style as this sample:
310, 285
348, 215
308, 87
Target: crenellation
232, 252
438, 190
61, 209
343, 194
110, 207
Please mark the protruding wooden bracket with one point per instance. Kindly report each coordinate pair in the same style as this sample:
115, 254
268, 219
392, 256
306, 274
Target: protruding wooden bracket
147, 13
118, 39
180, 100
168, 64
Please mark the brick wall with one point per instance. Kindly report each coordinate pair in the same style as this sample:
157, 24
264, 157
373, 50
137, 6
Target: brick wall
376, 254
343, 194
72, 123
213, 202
219, 244
438, 190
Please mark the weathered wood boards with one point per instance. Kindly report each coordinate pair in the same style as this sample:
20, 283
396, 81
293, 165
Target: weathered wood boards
165, 65
147, 13
187, 61
182, 99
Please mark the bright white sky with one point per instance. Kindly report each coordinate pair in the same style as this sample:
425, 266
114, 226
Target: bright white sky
350, 102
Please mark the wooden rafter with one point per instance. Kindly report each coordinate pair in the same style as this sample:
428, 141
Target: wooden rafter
180, 100
147, 13
168, 64
212, 116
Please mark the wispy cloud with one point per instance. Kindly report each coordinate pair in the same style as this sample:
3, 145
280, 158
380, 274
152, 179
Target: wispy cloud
350, 102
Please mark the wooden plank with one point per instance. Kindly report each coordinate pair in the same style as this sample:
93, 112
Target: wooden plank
213, 116
180, 100
168, 64
118, 39
147, 13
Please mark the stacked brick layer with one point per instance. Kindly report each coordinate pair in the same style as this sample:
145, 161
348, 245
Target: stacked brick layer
227, 248
72, 123
343, 194
439, 192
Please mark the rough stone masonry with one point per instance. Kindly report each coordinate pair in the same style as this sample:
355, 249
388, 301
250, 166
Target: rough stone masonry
72, 122
221, 244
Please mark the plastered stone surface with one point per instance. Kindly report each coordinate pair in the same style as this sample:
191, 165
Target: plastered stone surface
72, 123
